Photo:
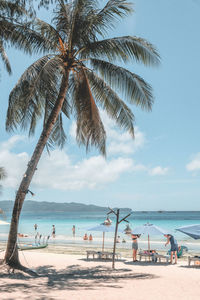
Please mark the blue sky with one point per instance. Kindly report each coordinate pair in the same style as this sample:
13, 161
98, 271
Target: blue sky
158, 170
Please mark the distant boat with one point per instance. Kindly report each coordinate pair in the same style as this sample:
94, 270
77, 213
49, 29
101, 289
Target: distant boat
160, 211
34, 246
31, 247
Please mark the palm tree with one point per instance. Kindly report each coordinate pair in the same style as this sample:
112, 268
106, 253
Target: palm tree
77, 76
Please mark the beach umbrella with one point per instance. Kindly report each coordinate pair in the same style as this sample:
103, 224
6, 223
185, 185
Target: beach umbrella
103, 228
149, 229
191, 230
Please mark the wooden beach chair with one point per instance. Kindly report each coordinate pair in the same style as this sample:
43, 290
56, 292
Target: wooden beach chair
101, 255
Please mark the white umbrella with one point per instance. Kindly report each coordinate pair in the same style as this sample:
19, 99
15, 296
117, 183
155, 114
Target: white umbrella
149, 229
103, 228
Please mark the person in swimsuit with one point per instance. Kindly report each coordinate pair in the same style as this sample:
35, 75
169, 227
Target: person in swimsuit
85, 237
53, 231
134, 246
174, 246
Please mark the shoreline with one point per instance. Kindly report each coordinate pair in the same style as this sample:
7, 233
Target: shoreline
80, 249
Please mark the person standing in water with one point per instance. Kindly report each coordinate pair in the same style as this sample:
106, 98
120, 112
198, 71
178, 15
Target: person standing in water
73, 230
35, 227
53, 231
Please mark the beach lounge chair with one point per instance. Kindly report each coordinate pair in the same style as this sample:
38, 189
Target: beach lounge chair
153, 256
102, 255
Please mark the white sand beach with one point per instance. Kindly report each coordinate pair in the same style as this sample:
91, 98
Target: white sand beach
67, 276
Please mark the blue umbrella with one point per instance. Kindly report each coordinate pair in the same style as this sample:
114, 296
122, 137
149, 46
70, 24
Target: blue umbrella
191, 230
149, 229
103, 228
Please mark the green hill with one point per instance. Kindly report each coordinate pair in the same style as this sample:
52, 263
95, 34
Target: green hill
35, 206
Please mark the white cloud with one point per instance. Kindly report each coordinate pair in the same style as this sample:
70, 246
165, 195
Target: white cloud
57, 171
194, 165
158, 171
14, 164
9, 144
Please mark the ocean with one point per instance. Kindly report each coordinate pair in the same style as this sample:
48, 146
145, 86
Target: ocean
83, 221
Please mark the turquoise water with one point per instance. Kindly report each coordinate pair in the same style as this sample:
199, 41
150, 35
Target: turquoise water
65, 221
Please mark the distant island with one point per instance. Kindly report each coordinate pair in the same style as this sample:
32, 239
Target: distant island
36, 206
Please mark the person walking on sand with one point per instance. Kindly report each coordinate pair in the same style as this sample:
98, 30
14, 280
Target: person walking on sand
53, 231
174, 246
135, 245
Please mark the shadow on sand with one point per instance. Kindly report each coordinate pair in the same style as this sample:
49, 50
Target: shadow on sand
74, 277
146, 263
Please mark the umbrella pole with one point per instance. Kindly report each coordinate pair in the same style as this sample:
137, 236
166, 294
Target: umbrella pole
103, 241
148, 246
115, 239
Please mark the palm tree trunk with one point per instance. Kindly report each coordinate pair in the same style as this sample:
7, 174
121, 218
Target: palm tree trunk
11, 256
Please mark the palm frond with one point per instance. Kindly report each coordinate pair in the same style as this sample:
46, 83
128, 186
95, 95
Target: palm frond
5, 58
57, 136
11, 9
2, 173
48, 32
81, 31
132, 86
24, 38
62, 19
90, 130
113, 10
27, 99
123, 48
111, 103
